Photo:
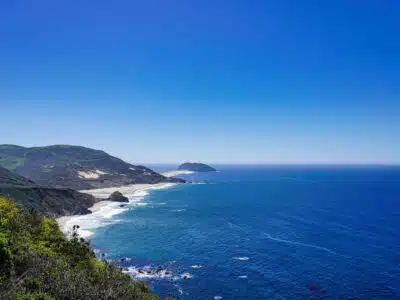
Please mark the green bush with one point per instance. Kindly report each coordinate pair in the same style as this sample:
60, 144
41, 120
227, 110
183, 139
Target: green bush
38, 262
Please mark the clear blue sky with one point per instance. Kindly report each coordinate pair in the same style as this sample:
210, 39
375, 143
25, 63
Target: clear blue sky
215, 81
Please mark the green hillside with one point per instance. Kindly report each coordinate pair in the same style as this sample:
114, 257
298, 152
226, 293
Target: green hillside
53, 202
75, 167
38, 262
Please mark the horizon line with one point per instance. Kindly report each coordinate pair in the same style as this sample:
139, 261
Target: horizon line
394, 164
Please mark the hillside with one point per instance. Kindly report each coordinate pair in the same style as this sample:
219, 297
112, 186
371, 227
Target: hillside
75, 167
8, 177
38, 262
196, 167
47, 201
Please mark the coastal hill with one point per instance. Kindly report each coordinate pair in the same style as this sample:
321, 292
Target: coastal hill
196, 167
38, 262
75, 167
49, 201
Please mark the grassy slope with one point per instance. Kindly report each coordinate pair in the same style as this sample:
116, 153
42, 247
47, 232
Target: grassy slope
38, 262
59, 166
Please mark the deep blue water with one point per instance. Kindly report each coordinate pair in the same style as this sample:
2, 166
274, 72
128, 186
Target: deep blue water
308, 233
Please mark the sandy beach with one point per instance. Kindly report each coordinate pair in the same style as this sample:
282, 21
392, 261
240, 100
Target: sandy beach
106, 209
176, 173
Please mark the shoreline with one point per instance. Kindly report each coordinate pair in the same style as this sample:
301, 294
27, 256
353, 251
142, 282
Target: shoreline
174, 173
104, 209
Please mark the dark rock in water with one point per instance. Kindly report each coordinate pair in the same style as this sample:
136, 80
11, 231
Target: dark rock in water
141, 271
196, 167
159, 270
118, 197
122, 205
123, 259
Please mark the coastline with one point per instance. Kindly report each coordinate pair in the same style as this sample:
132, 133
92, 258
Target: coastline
174, 173
103, 210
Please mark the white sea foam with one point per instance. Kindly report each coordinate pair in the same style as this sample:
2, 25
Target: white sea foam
217, 297
186, 276
241, 258
140, 204
197, 266
140, 193
147, 272
104, 212
242, 277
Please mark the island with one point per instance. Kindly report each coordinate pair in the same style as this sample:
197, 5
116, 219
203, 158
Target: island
196, 167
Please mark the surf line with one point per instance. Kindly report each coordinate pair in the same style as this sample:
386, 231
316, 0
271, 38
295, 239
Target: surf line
303, 244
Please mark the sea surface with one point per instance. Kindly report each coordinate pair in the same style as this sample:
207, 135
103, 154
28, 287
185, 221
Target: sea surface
264, 232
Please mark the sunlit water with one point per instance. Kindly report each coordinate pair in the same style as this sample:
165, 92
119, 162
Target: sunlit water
264, 233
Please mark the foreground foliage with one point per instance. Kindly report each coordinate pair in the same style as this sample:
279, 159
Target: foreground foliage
38, 262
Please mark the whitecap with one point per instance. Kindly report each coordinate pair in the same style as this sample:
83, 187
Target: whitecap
217, 297
242, 277
197, 266
140, 204
241, 258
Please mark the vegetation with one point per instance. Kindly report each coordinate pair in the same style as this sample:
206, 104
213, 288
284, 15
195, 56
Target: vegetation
38, 262
196, 167
62, 166
48, 201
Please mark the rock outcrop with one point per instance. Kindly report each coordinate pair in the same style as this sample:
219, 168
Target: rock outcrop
118, 197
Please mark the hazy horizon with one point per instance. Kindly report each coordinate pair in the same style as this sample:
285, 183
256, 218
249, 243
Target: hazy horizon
226, 81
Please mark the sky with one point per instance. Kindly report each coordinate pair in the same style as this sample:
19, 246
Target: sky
219, 81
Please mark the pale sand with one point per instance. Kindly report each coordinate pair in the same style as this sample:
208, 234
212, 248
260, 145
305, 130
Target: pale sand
106, 192
176, 172
127, 189
88, 175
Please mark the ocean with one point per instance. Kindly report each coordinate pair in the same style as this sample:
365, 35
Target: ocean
262, 232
